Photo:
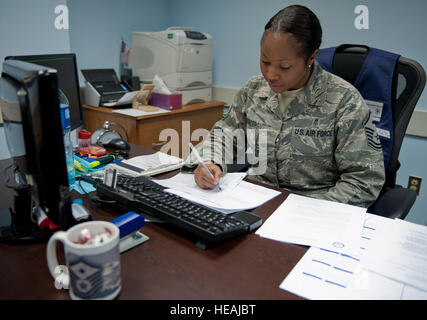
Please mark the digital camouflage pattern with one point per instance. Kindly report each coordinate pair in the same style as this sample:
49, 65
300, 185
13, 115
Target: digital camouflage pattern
324, 146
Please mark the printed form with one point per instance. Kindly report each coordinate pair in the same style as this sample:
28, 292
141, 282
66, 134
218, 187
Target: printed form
236, 194
312, 222
148, 165
330, 275
399, 251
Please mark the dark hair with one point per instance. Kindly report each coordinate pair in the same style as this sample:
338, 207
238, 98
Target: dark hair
301, 23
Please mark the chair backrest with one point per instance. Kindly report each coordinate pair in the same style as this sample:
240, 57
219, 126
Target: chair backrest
408, 83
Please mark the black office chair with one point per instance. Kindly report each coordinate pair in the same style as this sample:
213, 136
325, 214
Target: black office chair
394, 200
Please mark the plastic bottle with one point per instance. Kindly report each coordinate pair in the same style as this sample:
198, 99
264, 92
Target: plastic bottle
66, 132
83, 138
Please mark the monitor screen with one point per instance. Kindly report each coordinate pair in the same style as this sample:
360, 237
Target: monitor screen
32, 124
68, 81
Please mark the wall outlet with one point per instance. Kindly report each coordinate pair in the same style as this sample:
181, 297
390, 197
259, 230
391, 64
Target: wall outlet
414, 183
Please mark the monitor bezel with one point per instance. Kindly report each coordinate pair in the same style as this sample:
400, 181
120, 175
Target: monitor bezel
73, 56
48, 158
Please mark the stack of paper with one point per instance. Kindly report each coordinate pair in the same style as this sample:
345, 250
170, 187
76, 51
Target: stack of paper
391, 265
127, 98
399, 251
236, 194
353, 254
133, 112
148, 165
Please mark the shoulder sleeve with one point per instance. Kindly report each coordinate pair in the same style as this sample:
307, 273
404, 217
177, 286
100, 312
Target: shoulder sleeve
358, 154
227, 134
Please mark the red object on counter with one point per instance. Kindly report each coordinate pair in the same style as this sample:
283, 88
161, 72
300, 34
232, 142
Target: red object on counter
93, 150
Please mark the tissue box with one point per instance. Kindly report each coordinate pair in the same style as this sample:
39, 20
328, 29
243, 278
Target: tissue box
166, 101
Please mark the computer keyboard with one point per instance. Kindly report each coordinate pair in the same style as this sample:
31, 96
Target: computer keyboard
143, 195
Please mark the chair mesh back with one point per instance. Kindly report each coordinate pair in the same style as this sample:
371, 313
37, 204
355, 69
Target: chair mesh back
347, 63
404, 101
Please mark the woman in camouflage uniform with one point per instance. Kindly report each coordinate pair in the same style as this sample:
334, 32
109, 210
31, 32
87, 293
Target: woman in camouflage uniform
310, 130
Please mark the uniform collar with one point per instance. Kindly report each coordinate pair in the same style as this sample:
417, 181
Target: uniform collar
310, 96
314, 89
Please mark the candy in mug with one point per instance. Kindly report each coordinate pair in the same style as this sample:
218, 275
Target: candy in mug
92, 260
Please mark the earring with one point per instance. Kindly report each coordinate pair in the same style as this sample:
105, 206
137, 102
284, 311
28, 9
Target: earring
309, 65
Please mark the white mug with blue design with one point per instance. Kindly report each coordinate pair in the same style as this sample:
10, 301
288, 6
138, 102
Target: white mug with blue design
92, 270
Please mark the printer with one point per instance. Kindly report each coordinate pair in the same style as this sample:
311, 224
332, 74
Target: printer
103, 87
181, 56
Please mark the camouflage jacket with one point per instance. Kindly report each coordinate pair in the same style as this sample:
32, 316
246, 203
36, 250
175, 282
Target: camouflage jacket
324, 146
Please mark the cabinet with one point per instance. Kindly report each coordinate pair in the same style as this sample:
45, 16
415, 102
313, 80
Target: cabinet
168, 132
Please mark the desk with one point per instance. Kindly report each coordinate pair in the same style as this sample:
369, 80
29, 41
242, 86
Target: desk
145, 130
168, 266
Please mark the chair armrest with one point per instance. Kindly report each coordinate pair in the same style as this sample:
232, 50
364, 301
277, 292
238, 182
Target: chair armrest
394, 203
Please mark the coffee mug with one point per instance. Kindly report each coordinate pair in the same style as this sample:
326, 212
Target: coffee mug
92, 257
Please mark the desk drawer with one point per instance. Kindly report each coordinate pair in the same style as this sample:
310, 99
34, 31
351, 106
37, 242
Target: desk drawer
171, 134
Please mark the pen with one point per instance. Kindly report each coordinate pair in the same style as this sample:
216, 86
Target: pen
199, 159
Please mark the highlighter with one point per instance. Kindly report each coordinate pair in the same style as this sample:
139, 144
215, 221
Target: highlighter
102, 160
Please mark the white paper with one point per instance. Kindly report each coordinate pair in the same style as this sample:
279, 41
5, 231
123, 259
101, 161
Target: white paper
329, 275
312, 222
316, 275
400, 252
185, 182
133, 112
153, 160
236, 195
319, 275
127, 98
151, 164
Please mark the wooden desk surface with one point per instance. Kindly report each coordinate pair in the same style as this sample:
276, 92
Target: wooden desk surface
167, 266
185, 108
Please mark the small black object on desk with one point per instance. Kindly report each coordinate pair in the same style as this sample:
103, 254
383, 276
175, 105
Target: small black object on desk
117, 143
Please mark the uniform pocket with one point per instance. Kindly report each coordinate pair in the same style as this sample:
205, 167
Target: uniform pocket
312, 157
312, 142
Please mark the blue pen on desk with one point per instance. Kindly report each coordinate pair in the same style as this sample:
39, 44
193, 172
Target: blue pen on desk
199, 159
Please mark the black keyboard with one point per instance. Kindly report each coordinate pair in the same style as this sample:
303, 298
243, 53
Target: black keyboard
143, 195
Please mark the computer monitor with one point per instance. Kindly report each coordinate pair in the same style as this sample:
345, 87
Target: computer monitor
68, 80
29, 102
